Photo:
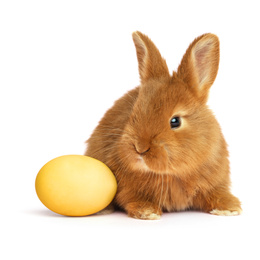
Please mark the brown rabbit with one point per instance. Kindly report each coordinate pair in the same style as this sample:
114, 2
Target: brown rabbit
162, 142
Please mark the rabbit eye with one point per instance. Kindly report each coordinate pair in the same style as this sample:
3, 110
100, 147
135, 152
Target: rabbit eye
175, 122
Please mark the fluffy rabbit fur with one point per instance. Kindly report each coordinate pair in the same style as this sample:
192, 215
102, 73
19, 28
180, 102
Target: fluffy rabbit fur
160, 165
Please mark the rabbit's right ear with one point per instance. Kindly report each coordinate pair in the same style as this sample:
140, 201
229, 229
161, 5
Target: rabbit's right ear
199, 66
151, 64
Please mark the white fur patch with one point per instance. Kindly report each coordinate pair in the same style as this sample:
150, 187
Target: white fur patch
148, 214
225, 212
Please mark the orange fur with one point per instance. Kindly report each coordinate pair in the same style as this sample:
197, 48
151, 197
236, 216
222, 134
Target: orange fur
158, 168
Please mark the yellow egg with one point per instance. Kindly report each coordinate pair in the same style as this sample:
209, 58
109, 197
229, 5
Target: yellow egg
75, 185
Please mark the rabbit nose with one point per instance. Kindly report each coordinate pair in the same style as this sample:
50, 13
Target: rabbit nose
142, 148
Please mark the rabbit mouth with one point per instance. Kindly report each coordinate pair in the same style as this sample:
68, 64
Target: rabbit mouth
150, 159
144, 155
140, 164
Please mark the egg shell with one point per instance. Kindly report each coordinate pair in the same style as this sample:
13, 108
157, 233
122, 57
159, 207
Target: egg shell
75, 185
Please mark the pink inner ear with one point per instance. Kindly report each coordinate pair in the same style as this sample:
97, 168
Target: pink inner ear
200, 55
202, 61
141, 53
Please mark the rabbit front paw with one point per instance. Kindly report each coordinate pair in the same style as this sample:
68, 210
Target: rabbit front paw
139, 211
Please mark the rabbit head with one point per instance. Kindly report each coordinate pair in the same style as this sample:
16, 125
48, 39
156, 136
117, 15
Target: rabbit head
170, 128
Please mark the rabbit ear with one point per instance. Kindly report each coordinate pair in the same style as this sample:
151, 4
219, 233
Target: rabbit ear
151, 64
199, 65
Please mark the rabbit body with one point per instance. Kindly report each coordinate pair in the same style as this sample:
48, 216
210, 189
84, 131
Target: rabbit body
162, 142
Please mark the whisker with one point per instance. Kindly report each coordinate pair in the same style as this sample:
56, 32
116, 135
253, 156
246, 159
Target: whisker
162, 179
167, 189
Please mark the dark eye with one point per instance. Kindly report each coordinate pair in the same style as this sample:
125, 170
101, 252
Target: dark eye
175, 122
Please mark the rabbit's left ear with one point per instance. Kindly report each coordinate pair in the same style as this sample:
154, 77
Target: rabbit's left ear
199, 66
151, 64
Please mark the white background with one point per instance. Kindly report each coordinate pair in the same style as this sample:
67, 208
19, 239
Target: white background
62, 65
